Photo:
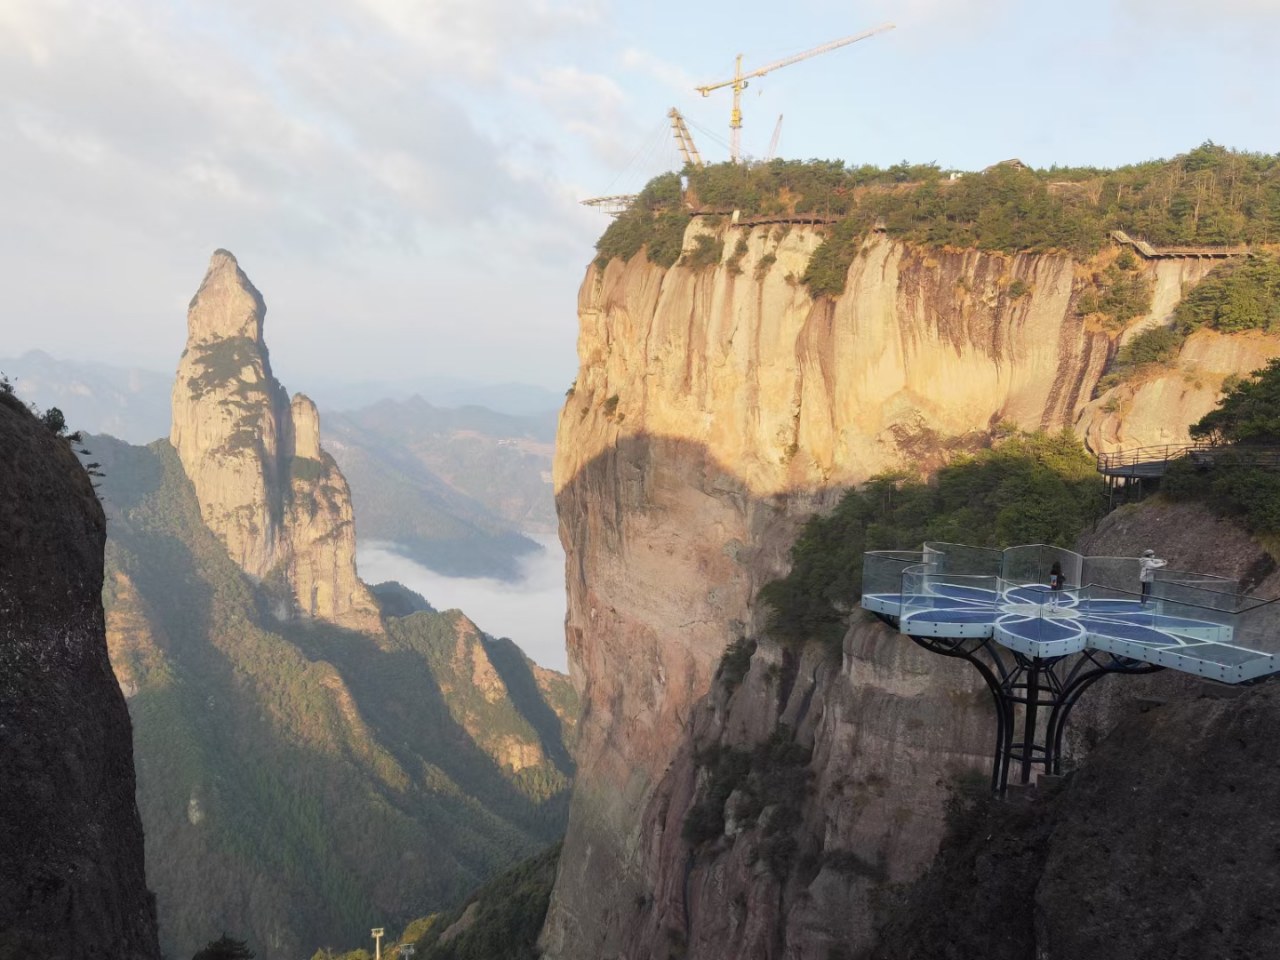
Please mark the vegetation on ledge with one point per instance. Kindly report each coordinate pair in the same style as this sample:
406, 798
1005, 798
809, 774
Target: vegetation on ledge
1233, 482
1026, 488
770, 781
1240, 295
1210, 195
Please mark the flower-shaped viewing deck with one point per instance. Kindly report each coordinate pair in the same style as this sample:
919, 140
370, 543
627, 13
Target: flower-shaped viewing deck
1040, 649
1190, 622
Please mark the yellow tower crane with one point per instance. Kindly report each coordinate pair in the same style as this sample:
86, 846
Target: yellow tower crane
739, 81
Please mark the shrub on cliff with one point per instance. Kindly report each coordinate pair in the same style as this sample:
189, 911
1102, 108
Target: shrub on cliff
1027, 488
225, 948
828, 268
706, 252
1242, 294
1248, 413
1233, 481
654, 223
508, 916
771, 779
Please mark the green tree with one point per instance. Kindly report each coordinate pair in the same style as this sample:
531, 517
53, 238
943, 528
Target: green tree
1243, 294
224, 948
1232, 481
55, 421
1248, 413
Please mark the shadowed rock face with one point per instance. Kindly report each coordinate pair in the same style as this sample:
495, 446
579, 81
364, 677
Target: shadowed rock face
71, 871
714, 409
266, 488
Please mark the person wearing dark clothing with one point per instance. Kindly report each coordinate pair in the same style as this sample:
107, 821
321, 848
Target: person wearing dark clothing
1055, 584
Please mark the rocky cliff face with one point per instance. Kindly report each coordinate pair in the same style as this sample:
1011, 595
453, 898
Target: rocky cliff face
714, 409
1157, 408
71, 875
265, 486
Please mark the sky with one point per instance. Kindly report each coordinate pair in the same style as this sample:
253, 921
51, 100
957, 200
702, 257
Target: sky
401, 178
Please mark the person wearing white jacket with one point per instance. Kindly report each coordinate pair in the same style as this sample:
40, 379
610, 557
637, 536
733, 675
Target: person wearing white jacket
1149, 564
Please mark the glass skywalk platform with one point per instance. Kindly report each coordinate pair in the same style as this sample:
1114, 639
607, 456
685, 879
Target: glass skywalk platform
1191, 622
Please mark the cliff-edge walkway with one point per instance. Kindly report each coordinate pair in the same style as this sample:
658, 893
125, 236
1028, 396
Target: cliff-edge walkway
1148, 252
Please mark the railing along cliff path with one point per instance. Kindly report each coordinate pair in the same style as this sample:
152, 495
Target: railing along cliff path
1149, 252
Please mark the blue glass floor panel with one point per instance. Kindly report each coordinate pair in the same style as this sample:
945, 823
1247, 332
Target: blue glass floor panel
1024, 619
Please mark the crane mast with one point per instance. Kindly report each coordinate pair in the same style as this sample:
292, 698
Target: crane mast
739, 80
773, 141
684, 139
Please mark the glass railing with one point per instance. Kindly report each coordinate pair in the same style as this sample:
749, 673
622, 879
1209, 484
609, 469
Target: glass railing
961, 559
1195, 579
1219, 595
882, 570
1033, 564
1176, 633
1257, 627
1118, 573
943, 598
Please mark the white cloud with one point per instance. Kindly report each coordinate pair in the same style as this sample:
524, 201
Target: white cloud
326, 120
480, 37
675, 78
1226, 13
589, 106
307, 135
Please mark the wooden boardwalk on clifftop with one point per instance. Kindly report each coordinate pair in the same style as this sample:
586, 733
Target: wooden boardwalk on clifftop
1148, 252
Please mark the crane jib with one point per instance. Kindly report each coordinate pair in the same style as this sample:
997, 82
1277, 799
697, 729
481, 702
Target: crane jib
739, 79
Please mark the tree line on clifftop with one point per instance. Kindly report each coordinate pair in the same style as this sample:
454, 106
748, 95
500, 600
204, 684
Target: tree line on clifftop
1210, 195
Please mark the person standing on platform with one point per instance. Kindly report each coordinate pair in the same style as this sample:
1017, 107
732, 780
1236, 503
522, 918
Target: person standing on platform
1149, 564
1055, 584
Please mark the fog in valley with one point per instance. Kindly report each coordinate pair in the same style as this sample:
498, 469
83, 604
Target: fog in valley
530, 611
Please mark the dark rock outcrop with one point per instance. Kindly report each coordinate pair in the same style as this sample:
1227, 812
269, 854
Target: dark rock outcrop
71, 864
1161, 845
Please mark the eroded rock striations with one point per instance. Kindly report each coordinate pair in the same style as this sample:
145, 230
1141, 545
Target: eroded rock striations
265, 486
71, 867
714, 409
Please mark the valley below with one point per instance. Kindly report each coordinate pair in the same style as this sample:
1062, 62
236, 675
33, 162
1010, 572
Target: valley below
528, 609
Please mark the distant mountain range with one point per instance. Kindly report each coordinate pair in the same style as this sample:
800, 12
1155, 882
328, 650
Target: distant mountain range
513, 399
125, 402
453, 486
132, 404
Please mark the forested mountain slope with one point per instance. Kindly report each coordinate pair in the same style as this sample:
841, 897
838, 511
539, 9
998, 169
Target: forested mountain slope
299, 781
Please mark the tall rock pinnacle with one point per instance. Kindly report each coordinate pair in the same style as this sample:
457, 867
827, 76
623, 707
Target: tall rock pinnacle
265, 486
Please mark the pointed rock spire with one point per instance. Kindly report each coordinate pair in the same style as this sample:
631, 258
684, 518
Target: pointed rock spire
255, 460
226, 305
